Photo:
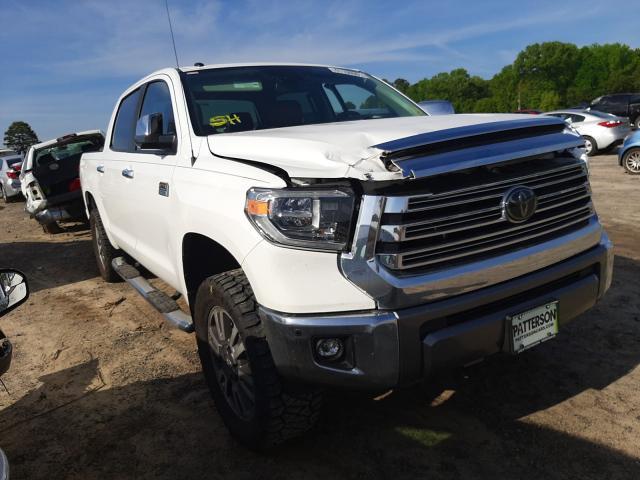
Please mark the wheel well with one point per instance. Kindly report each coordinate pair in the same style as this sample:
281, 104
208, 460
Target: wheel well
202, 258
89, 201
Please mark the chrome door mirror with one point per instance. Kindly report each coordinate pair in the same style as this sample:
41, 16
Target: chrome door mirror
149, 133
14, 290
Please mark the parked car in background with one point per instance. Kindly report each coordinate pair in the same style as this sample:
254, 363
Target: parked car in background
600, 130
629, 154
621, 105
7, 152
51, 179
10, 176
437, 107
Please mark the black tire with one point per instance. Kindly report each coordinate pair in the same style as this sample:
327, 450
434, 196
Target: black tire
3, 194
636, 123
51, 228
631, 161
593, 150
102, 248
257, 406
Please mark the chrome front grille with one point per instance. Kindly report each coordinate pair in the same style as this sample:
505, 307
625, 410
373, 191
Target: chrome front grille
452, 225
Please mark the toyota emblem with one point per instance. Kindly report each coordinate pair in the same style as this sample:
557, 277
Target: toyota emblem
519, 204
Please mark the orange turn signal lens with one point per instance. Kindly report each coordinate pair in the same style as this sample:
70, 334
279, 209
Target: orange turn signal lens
257, 207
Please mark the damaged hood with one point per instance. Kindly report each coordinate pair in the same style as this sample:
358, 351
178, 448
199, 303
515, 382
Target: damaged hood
336, 150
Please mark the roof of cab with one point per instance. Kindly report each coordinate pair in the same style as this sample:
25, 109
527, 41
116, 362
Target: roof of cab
261, 64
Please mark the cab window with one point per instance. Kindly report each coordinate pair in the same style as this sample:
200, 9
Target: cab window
125, 123
157, 99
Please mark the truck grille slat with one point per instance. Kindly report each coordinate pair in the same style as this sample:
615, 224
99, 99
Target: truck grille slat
428, 201
541, 231
432, 230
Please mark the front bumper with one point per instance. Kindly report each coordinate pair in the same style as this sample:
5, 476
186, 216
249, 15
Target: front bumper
386, 348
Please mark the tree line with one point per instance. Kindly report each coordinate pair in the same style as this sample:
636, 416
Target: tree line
544, 76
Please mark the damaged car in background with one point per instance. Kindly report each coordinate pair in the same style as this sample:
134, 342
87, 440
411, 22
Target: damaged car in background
51, 180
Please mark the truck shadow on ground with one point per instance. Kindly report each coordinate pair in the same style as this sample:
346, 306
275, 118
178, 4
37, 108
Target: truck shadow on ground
51, 264
74, 426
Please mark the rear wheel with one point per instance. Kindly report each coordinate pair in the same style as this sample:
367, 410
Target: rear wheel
590, 145
636, 124
102, 248
256, 405
631, 161
4, 194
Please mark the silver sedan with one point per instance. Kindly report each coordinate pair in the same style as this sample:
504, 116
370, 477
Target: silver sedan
600, 130
9, 180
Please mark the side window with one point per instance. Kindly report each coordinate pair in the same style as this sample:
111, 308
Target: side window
576, 118
125, 124
157, 99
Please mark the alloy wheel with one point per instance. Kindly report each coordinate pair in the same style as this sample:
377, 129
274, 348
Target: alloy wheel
632, 161
588, 146
231, 362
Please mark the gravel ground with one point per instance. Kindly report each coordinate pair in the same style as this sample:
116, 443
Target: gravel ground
101, 388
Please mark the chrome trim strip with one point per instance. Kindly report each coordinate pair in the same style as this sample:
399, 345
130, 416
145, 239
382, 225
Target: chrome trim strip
400, 258
506, 183
389, 290
400, 204
520, 227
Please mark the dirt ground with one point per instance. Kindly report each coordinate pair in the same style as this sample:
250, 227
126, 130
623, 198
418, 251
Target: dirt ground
101, 388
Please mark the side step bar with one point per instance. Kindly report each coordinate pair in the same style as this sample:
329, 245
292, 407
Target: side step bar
162, 302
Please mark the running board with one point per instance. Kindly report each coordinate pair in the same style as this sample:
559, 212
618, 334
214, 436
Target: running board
162, 302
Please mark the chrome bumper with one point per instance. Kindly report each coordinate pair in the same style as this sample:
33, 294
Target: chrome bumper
386, 348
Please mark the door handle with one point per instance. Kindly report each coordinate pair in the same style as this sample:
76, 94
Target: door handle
100, 168
127, 172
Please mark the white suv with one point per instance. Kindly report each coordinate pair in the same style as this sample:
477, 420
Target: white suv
325, 231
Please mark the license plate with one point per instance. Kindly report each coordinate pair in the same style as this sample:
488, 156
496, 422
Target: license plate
533, 326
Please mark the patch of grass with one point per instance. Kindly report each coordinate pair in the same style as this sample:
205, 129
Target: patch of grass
425, 436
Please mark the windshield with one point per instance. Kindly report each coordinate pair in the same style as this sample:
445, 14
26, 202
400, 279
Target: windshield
12, 161
234, 99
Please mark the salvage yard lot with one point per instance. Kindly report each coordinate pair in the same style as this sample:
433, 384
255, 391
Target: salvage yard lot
101, 388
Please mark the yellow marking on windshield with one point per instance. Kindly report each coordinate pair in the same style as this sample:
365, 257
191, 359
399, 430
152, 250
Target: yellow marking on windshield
222, 120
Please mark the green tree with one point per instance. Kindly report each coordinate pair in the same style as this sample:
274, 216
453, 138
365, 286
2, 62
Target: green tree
20, 136
457, 86
401, 84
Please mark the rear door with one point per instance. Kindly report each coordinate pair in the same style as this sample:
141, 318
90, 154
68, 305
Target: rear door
114, 193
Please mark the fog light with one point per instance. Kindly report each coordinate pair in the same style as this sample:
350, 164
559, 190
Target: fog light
329, 348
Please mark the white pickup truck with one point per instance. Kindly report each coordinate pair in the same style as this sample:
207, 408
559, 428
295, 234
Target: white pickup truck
326, 232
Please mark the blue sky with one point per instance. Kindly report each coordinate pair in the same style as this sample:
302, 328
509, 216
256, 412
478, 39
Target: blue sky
63, 63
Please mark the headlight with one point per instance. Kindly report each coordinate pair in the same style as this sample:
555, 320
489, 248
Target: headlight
313, 219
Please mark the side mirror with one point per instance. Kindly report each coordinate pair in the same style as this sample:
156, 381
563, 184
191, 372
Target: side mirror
14, 290
149, 133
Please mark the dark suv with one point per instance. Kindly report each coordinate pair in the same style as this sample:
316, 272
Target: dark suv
620, 104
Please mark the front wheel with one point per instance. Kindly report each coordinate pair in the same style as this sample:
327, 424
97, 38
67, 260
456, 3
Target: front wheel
590, 145
631, 161
257, 406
